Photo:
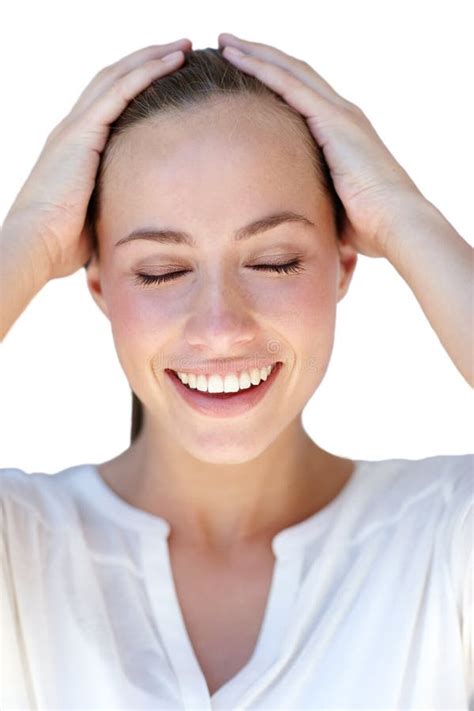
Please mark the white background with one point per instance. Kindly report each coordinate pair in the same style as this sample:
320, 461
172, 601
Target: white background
390, 389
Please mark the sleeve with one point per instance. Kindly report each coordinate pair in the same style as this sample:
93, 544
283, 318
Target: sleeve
461, 515
14, 691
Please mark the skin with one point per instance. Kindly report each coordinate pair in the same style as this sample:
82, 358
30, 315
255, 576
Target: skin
221, 483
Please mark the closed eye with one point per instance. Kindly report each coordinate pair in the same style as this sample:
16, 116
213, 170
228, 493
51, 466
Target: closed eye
290, 267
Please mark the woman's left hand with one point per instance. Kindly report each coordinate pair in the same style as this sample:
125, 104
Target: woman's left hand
372, 185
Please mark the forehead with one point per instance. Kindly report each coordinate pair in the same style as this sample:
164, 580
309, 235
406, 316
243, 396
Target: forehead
222, 157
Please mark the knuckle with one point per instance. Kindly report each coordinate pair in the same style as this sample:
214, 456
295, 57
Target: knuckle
354, 109
69, 131
60, 128
106, 71
304, 65
349, 110
119, 90
295, 82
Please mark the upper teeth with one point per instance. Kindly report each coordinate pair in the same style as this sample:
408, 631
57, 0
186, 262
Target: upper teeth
231, 383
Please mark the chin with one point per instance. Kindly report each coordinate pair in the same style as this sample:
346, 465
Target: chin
234, 448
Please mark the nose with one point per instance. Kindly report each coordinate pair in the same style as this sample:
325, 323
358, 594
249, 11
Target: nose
221, 320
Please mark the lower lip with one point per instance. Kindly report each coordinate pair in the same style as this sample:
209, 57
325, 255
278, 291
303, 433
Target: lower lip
225, 404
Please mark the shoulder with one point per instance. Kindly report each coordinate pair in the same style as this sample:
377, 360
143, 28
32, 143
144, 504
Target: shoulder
457, 479
37, 496
447, 476
428, 504
458, 519
459, 471
435, 493
450, 481
453, 476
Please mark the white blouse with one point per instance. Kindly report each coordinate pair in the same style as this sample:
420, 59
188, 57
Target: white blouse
370, 605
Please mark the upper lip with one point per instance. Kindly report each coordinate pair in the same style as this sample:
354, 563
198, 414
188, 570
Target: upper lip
224, 369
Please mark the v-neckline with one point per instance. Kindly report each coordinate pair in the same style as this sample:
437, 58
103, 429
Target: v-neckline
288, 546
169, 616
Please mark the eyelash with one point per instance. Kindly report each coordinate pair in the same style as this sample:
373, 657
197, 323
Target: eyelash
290, 267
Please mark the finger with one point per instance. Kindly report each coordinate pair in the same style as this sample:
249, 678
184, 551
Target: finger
109, 105
298, 67
155, 50
309, 103
109, 74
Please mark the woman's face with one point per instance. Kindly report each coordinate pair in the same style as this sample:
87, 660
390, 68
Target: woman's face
210, 172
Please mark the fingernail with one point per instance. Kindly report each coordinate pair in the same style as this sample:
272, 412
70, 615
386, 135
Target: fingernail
233, 51
172, 57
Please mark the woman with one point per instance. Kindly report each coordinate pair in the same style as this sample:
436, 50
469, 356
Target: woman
225, 560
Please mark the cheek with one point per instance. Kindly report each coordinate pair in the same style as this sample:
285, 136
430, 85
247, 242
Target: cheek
303, 305
301, 308
305, 313
136, 312
300, 299
140, 325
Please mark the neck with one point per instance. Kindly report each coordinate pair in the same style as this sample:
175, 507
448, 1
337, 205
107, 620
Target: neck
222, 506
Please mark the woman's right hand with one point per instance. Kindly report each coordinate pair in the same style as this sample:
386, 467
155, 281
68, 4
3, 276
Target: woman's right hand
49, 211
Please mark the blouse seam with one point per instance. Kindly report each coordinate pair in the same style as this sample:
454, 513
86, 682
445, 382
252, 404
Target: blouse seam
403, 510
376, 526
31, 510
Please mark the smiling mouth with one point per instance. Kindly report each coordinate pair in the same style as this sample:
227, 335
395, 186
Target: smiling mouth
219, 396
224, 404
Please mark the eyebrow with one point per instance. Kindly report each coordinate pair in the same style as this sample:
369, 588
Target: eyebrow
166, 236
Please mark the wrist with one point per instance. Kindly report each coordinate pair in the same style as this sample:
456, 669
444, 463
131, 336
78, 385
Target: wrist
414, 228
23, 248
